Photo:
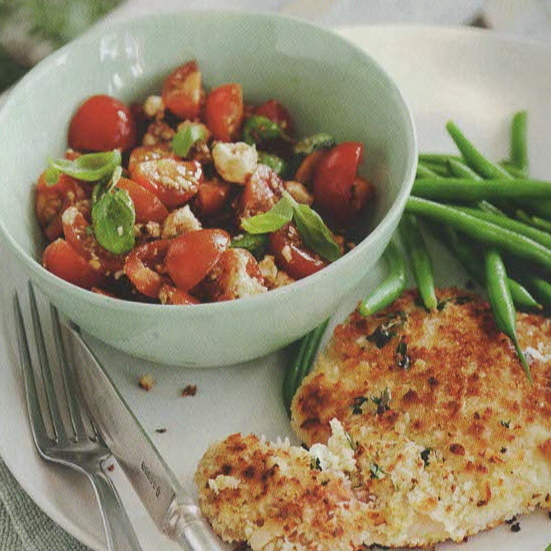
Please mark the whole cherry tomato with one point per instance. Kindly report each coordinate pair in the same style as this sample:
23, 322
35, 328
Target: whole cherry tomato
143, 264
63, 261
291, 255
274, 111
224, 111
102, 123
334, 182
192, 255
173, 182
182, 91
148, 207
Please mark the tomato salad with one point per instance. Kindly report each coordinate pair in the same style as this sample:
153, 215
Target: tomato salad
195, 196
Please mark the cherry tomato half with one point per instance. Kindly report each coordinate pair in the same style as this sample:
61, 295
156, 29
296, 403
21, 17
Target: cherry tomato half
291, 255
212, 196
224, 111
148, 207
149, 153
143, 264
51, 201
274, 111
172, 295
261, 192
173, 182
102, 123
192, 255
182, 91
77, 233
63, 261
334, 181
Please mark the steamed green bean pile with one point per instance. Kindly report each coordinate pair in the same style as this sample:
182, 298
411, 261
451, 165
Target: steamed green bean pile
493, 217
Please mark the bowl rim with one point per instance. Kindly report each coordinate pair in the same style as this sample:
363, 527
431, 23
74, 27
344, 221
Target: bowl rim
95, 34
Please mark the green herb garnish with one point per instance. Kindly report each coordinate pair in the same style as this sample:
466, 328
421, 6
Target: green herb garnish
267, 222
277, 164
308, 145
261, 129
376, 471
314, 232
113, 216
187, 137
90, 167
357, 404
256, 244
383, 400
425, 456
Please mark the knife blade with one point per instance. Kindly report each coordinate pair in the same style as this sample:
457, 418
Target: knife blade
171, 508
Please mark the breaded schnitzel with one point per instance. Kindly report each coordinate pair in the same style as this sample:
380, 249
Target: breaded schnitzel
436, 434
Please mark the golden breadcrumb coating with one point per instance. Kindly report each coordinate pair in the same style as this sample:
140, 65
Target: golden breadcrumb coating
422, 427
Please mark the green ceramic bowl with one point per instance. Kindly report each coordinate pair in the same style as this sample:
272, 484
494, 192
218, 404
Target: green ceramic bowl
326, 82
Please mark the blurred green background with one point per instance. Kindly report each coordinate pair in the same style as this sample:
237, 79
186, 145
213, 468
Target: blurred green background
32, 29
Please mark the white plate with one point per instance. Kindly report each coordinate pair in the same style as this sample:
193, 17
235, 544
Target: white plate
476, 78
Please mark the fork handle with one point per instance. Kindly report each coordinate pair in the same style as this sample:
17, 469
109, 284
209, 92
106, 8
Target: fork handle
118, 529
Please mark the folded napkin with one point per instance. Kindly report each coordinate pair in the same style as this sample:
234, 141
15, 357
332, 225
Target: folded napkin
23, 526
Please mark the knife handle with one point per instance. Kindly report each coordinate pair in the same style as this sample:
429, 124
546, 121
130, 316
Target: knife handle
119, 532
187, 526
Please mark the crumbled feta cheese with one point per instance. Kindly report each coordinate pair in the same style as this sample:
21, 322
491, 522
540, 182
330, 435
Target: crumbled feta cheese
235, 161
180, 221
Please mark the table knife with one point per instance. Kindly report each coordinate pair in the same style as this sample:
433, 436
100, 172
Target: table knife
171, 508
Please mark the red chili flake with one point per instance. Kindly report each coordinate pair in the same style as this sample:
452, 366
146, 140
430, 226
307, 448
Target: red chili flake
189, 390
111, 467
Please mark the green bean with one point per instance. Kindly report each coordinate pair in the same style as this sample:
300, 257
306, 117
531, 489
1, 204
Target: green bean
502, 302
535, 234
478, 162
462, 189
419, 258
425, 172
306, 351
522, 296
481, 230
534, 221
459, 169
393, 285
519, 148
471, 262
512, 170
541, 288
438, 158
541, 208
438, 168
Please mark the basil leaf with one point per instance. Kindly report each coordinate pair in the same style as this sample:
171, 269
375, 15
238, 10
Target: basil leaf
261, 129
186, 137
315, 234
106, 185
256, 244
314, 143
277, 164
113, 218
90, 167
271, 221
51, 176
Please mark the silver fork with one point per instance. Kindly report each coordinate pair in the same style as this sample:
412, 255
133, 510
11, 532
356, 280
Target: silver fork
74, 442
